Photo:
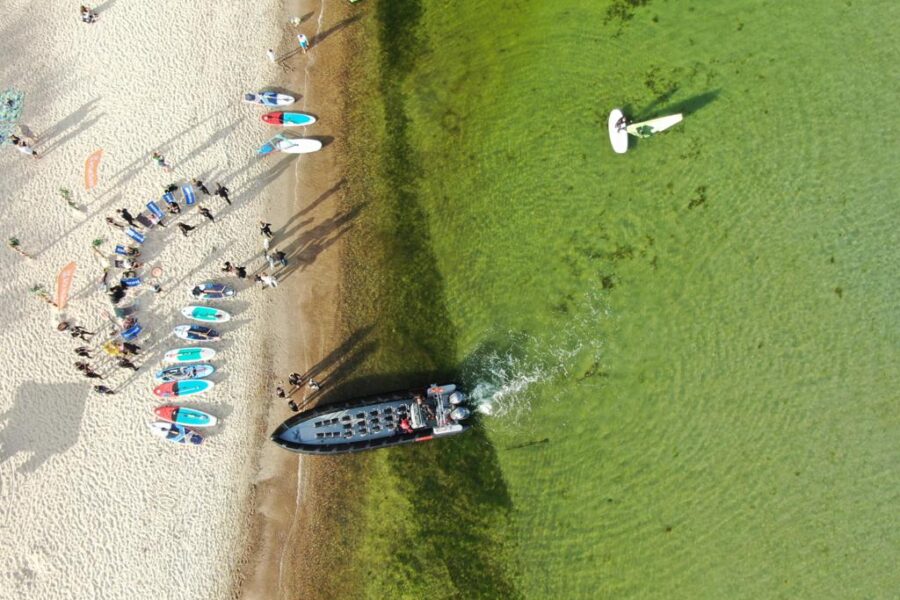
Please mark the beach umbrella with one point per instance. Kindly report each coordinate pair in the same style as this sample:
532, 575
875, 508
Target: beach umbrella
12, 101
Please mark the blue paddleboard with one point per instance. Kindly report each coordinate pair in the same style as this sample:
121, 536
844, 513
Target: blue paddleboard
153, 207
131, 333
135, 235
189, 197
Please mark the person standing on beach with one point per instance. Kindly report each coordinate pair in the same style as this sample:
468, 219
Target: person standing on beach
83, 352
185, 228
173, 208
313, 385
24, 148
127, 217
200, 186
102, 389
79, 332
303, 42
129, 348
293, 405
160, 161
206, 213
279, 393
270, 54
127, 364
280, 257
228, 267
222, 192
296, 380
266, 280
87, 15
241, 272
265, 229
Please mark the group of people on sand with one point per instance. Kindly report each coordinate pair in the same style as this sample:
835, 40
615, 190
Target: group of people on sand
274, 259
118, 353
119, 346
88, 15
295, 380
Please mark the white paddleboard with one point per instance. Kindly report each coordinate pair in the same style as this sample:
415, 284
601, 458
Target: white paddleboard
299, 145
618, 137
645, 129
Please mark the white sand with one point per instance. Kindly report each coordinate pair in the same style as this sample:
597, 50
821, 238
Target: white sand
92, 505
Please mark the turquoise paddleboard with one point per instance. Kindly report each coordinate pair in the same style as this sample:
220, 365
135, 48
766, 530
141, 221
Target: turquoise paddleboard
183, 415
207, 314
186, 355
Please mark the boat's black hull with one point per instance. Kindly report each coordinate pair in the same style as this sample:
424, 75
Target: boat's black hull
357, 446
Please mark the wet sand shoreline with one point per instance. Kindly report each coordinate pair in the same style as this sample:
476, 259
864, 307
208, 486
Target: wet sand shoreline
305, 327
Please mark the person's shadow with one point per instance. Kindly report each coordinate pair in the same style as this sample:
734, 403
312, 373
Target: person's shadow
45, 419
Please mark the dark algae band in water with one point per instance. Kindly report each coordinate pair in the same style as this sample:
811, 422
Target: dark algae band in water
689, 351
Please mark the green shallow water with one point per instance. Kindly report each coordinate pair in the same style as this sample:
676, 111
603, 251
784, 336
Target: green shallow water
690, 351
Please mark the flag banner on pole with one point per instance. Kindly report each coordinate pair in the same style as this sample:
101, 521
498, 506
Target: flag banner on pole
91, 169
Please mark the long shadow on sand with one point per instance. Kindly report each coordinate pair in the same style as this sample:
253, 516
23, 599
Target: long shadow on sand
45, 419
304, 250
70, 127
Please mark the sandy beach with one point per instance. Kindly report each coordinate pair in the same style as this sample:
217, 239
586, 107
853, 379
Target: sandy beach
93, 505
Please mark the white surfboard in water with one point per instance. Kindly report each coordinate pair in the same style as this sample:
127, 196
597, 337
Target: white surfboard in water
645, 129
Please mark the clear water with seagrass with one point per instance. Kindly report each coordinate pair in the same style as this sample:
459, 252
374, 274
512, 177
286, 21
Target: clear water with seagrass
690, 351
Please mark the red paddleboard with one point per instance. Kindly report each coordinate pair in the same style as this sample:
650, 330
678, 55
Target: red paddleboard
166, 390
273, 118
166, 413
187, 387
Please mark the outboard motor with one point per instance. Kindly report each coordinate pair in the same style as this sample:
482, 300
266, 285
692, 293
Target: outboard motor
459, 413
457, 398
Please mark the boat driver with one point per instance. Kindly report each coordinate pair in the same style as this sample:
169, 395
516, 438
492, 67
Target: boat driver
427, 410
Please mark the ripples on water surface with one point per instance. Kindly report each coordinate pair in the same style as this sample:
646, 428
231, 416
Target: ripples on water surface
690, 351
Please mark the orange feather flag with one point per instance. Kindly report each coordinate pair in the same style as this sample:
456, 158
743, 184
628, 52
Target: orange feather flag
64, 284
91, 168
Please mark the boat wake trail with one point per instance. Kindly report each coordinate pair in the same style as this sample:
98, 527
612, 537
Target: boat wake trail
505, 378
